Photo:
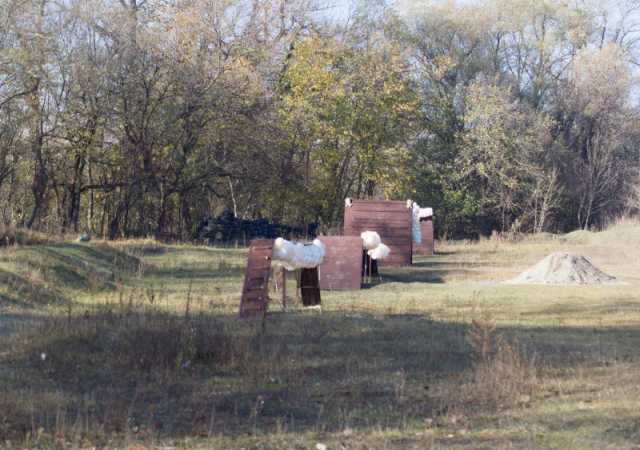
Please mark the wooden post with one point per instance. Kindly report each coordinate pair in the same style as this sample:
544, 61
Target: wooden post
274, 277
310, 287
284, 289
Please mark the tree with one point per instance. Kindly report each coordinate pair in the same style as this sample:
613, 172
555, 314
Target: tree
599, 125
503, 155
349, 116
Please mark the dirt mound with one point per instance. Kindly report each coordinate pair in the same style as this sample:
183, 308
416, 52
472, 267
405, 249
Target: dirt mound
564, 268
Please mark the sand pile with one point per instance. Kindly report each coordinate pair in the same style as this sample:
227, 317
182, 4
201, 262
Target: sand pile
564, 268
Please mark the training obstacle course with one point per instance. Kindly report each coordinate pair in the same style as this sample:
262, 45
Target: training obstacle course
339, 262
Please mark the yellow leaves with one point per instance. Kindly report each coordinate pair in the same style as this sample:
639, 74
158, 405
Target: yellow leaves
501, 136
601, 78
349, 110
311, 74
442, 65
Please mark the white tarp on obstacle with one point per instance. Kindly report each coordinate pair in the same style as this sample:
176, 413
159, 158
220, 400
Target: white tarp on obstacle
380, 252
295, 255
373, 245
416, 231
425, 213
418, 214
370, 240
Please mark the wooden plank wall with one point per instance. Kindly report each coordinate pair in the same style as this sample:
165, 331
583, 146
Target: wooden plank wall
427, 247
341, 269
390, 219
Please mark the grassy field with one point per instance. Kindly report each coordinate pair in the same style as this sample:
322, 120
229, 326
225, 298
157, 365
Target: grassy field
136, 345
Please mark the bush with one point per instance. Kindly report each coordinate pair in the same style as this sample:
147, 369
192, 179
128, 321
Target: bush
502, 374
128, 339
21, 236
124, 369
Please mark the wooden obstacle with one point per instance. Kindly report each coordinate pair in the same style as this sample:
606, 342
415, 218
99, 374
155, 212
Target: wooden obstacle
310, 287
342, 266
369, 269
255, 292
426, 247
254, 301
392, 220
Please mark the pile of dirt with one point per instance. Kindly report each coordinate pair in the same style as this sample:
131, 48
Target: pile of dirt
564, 268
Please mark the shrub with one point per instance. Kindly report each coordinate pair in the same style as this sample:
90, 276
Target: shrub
21, 236
131, 338
503, 375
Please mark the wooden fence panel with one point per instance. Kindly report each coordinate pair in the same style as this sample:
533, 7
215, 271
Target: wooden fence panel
342, 266
390, 219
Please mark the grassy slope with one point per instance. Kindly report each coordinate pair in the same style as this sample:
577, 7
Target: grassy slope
389, 366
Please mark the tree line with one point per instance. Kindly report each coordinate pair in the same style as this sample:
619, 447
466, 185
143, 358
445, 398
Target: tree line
142, 117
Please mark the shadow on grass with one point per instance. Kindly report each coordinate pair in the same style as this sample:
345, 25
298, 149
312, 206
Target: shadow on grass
433, 271
413, 276
158, 250
13, 323
609, 307
197, 273
303, 371
22, 292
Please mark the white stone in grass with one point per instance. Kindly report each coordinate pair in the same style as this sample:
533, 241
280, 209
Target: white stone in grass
84, 237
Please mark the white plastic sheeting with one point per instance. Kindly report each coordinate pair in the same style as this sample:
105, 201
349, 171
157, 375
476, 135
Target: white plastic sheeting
417, 214
416, 231
370, 240
380, 252
294, 255
373, 244
425, 213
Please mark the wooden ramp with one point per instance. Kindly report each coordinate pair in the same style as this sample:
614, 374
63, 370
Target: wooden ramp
255, 292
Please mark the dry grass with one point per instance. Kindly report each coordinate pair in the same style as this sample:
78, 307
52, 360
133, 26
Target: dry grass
503, 375
440, 354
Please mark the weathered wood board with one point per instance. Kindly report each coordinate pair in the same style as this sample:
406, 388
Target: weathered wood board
427, 246
309, 287
341, 269
390, 219
255, 292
